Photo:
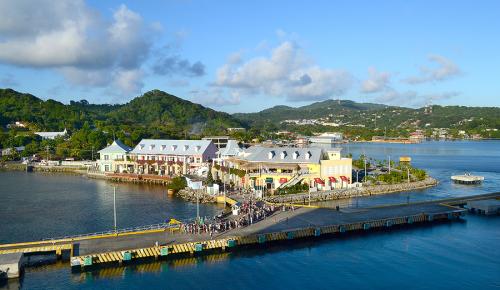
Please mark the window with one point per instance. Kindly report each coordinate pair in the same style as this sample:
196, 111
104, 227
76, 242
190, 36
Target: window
106, 157
106, 167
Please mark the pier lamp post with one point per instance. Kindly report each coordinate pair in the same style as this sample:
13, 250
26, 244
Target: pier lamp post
114, 207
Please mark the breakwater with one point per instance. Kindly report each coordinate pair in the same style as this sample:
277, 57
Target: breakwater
352, 192
133, 178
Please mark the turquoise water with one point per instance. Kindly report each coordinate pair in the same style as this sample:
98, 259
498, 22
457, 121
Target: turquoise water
451, 255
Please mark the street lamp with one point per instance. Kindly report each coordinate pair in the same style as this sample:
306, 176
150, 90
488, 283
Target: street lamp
114, 206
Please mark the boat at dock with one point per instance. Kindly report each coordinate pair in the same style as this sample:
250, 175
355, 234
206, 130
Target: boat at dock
467, 178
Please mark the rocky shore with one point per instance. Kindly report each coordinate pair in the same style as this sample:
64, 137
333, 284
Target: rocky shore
191, 195
353, 192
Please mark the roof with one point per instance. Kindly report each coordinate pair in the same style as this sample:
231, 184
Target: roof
171, 147
281, 154
232, 148
116, 147
51, 134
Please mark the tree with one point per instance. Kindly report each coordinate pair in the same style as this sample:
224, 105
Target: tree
210, 178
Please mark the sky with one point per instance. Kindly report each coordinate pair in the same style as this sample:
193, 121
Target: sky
245, 56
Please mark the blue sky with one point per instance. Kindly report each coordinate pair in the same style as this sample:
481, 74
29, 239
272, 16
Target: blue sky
240, 56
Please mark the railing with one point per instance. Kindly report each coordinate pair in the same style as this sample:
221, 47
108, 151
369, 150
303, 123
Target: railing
161, 226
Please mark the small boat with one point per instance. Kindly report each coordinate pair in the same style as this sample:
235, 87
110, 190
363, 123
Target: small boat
467, 178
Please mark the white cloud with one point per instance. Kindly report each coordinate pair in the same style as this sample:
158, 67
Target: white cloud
445, 69
286, 72
215, 97
76, 41
129, 81
376, 82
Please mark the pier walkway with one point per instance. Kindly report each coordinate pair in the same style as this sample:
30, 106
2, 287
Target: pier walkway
302, 222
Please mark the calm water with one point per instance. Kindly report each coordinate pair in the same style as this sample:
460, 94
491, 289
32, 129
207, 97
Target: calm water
459, 255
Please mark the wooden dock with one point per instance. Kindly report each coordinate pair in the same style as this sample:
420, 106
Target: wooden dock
306, 222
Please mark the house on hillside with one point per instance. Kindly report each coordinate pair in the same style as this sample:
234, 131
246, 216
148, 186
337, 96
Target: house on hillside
52, 135
113, 158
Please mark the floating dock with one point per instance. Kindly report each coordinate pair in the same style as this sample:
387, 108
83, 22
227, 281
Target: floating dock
89, 251
467, 179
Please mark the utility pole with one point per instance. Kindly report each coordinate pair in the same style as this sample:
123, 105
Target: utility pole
114, 206
408, 172
365, 169
197, 206
389, 163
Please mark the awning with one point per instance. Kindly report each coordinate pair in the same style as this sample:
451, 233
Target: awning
319, 180
344, 178
332, 179
269, 180
283, 180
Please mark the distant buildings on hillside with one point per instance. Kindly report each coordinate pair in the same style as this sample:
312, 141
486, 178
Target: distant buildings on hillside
52, 135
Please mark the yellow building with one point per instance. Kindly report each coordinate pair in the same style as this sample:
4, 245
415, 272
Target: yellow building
271, 168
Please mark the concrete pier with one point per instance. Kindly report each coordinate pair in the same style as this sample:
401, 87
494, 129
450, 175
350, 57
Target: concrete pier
486, 207
10, 265
297, 223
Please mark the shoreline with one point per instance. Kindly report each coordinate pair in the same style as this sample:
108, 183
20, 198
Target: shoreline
289, 198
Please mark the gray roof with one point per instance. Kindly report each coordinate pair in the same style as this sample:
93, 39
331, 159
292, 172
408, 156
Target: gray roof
116, 147
281, 154
232, 148
171, 147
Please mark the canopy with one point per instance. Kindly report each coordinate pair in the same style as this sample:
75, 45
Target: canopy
344, 178
174, 222
319, 180
332, 179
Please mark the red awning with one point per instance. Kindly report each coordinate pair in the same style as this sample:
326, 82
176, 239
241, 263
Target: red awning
332, 179
319, 180
283, 180
344, 178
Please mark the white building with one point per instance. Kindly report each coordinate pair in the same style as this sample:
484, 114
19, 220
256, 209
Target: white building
327, 138
112, 157
171, 157
51, 135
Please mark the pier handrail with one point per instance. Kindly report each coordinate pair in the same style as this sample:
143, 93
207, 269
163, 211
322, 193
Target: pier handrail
160, 226
152, 227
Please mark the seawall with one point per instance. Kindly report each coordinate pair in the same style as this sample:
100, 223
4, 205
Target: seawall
352, 192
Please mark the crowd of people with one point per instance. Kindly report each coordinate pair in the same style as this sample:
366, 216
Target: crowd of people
250, 212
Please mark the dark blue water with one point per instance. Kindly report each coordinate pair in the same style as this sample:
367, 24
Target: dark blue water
457, 255
36, 206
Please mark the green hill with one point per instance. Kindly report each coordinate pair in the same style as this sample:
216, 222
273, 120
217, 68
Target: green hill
316, 110
155, 114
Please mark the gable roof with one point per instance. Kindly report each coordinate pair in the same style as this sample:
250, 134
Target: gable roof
281, 154
116, 147
232, 149
172, 147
